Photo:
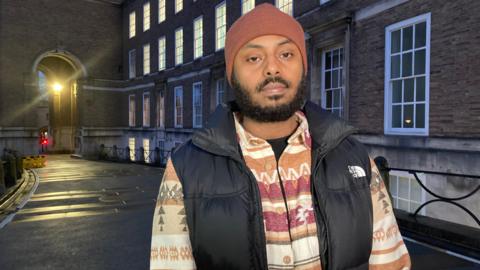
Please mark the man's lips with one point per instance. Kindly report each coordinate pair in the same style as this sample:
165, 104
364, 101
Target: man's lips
274, 88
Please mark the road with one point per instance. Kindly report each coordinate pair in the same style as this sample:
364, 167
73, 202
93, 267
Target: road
84, 215
98, 215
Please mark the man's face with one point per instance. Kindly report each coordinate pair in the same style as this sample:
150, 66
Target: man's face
268, 78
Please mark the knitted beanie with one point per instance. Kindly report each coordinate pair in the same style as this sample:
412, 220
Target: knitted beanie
265, 19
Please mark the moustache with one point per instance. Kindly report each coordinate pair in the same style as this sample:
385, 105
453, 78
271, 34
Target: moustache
261, 85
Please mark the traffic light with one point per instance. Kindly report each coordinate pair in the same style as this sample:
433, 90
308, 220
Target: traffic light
44, 141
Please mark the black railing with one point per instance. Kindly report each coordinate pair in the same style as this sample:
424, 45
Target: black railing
156, 157
385, 169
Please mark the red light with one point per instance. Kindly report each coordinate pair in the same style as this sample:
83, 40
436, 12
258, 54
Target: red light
44, 142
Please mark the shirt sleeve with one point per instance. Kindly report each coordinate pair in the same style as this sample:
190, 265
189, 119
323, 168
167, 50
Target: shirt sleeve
171, 248
388, 250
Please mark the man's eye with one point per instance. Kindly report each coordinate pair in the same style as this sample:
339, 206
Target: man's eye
253, 59
286, 55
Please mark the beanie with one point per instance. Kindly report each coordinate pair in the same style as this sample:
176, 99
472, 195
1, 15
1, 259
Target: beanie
265, 19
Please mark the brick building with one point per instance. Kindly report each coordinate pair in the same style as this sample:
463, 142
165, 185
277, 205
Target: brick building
404, 72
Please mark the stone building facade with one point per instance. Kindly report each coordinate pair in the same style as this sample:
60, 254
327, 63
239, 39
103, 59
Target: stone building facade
404, 72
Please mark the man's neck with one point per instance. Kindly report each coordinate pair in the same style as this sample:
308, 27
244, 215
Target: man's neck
270, 130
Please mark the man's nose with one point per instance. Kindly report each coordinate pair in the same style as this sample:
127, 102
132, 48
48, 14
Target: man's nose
272, 68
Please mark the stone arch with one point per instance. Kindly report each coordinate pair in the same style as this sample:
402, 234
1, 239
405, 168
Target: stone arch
64, 55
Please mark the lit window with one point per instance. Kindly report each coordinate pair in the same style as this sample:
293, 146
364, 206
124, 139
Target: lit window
146, 109
131, 145
220, 85
406, 193
407, 76
131, 64
247, 5
131, 24
160, 111
198, 37
161, 54
179, 46
146, 17
178, 106
333, 87
146, 59
220, 25
285, 6
147, 155
131, 110
178, 6
161, 11
197, 104
323, 1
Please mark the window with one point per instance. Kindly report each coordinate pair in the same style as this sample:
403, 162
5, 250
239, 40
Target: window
131, 24
147, 155
131, 64
197, 104
220, 25
198, 37
131, 145
179, 46
406, 193
285, 6
323, 1
160, 111
131, 110
407, 76
220, 85
146, 109
178, 106
333, 89
146, 59
162, 60
161, 11
247, 5
146, 16
178, 6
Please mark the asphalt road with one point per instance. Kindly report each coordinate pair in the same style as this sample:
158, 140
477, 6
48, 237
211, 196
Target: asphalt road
98, 215
84, 215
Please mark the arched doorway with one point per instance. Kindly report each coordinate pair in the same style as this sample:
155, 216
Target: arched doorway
56, 74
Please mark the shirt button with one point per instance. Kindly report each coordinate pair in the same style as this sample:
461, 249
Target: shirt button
287, 259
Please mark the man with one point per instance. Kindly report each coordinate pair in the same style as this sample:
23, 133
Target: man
272, 181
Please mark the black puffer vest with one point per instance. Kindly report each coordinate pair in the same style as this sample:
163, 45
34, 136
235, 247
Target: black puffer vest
223, 206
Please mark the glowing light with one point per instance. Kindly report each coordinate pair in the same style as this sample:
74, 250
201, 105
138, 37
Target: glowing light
57, 87
408, 121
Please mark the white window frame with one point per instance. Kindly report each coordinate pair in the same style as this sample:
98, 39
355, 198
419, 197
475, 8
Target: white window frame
198, 37
411, 178
341, 78
388, 129
197, 123
178, 6
131, 110
220, 84
146, 59
146, 16
131, 145
162, 15
247, 5
162, 53
178, 90
220, 30
131, 25
283, 5
146, 109
179, 46
160, 110
132, 64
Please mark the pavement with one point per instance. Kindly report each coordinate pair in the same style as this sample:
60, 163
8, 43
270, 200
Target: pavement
79, 214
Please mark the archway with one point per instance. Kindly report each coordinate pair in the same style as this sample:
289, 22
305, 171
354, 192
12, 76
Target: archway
56, 74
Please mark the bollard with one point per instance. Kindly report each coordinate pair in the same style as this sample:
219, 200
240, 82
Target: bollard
141, 155
127, 154
158, 158
382, 165
3, 188
19, 164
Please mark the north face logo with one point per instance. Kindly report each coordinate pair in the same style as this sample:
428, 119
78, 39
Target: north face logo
356, 171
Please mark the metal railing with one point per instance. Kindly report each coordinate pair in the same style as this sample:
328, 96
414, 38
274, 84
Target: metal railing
384, 169
155, 157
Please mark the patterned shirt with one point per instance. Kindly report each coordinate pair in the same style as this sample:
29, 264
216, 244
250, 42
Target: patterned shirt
289, 218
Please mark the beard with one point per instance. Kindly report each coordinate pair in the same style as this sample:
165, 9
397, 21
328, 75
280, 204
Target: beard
265, 114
